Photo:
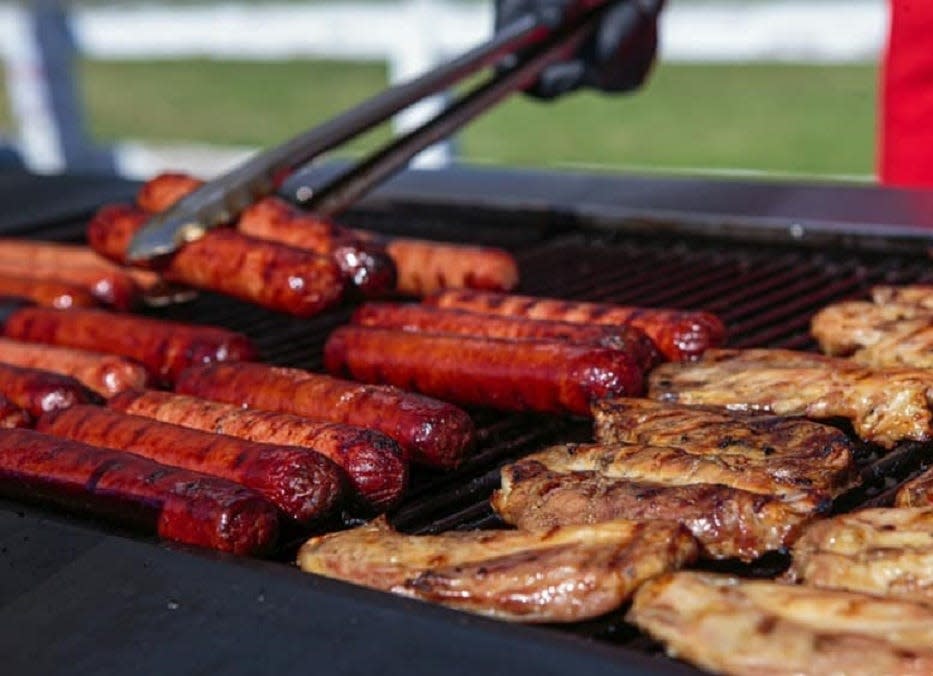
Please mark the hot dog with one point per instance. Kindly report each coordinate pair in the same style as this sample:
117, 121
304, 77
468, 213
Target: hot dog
48, 293
366, 265
104, 373
165, 348
432, 432
109, 287
178, 504
37, 392
265, 273
426, 319
303, 484
72, 256
679, 335
11, 415
546, 376
374, 464
425, 267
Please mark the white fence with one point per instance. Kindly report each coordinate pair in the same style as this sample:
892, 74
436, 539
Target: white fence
410, 35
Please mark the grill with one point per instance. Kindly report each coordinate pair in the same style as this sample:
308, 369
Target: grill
757, 271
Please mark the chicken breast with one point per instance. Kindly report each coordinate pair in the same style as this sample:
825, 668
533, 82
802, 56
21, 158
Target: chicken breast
670, 466
918, 492
909, 344
916, 295
817, 455
888, 552
728, 522
734, 626
884, 406
553, 575
842, 328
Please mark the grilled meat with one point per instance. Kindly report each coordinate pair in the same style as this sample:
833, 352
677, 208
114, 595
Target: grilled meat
908, 344
888, 552
737, 626
918, 492
556, 575
728, 522
818, 454
672, 466
884, 406
917, 295
842, 328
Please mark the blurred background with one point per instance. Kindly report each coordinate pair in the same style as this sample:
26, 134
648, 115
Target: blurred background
769, 87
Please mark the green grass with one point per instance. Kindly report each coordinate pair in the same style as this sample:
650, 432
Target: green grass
782, 118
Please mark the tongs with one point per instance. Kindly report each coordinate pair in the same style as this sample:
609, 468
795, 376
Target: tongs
221, 200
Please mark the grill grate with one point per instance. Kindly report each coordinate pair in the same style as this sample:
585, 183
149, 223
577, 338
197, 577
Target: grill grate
765, 295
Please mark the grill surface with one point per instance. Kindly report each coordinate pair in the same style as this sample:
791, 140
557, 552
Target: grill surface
765, 295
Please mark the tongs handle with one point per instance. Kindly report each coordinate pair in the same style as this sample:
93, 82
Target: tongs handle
221, 200
344, 190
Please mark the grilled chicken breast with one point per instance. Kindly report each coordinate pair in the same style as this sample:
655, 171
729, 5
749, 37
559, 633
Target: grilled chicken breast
842, 328
816, 455
888, 552
734, 626
909, 344
672, 466
916, 295
728, 522
553, 575
884, 406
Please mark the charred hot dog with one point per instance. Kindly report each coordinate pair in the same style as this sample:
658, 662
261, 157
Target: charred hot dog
546, 376
374, 464
178, 504
303, 484
679, 335
266, 273
432, 432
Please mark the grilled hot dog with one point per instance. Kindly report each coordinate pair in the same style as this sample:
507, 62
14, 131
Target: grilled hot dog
426, 319
432, 432
547, 376
374, 464
178, 504
265, 273
111, 287
37, 392
366, 265
104, 373
165, 348
303, 484
679, 335
48, 293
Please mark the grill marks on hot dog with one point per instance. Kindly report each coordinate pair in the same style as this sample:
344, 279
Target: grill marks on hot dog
427, 319
104, 373
179, 504
547, 376
109, 286
165, 348
375, 465
431, 431
265, 273
303, 484
37, 391
365, 264
679, 335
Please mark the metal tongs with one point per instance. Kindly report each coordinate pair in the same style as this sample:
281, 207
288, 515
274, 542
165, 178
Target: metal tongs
221, 200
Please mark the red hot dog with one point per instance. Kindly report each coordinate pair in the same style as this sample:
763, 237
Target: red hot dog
304, 485
547, 376
679, 335
426, 319
165, 348
37, 392
104, 373
48, 293
278, 277
374, 464
178, 504
366, 265
432, 432
111, 287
